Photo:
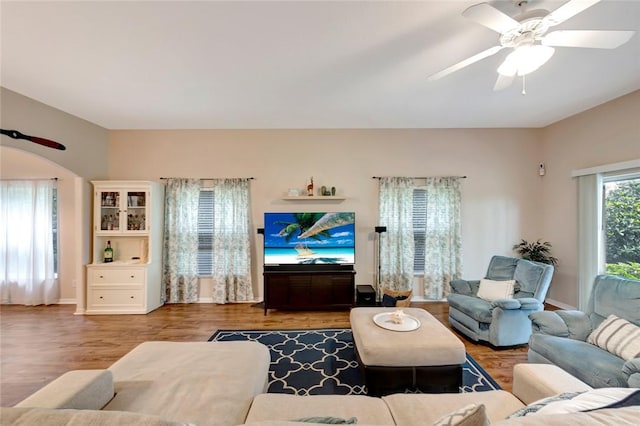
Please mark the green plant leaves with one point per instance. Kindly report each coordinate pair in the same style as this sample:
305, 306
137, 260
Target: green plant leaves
537, 251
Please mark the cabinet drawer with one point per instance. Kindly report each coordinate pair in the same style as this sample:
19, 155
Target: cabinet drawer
117, 275
124, 298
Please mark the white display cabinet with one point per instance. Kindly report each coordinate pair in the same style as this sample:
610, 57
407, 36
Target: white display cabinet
129, 215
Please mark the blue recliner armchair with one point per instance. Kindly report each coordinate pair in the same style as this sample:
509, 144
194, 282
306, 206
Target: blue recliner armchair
501, 322
560, 337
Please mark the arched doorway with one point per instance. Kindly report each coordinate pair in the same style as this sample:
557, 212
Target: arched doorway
73, 217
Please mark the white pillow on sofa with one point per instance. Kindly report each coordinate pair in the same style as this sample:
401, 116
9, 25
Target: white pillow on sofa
574, 402
617, 336
490, 290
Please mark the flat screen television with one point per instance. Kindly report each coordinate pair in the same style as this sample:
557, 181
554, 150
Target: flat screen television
309, 238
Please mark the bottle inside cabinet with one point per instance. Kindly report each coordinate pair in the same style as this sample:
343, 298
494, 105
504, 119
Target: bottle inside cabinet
136, 211
109, 211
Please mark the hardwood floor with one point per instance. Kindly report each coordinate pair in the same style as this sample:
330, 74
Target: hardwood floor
38, 344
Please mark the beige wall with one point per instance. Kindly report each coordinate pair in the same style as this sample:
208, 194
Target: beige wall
609, 133
500, 196
504, 199
86, 143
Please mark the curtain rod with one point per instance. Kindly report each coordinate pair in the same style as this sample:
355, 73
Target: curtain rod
422, 177
208, 178
53, 178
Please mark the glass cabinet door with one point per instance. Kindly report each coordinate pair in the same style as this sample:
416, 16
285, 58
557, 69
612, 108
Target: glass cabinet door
109, 210
136, 209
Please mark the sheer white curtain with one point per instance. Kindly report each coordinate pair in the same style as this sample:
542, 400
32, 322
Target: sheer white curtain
443, 242
396, 244
180, 260
231, 241
26, 243
589, 234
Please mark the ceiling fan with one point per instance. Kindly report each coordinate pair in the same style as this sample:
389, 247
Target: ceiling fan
526, 35
35, 139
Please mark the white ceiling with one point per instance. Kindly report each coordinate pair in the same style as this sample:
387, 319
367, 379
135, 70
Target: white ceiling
298, 64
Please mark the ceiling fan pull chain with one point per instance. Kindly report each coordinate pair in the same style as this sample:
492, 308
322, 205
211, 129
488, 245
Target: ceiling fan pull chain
524, 85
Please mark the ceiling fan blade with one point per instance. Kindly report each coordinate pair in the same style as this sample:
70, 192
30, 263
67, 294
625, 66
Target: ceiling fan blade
475, 58
588, 38
40, 141
48, 143
503, 82
568, 10
490, 17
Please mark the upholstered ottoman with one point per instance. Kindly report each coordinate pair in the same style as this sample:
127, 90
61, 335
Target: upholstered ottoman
428, 359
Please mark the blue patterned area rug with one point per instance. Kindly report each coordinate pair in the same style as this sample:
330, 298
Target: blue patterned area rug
323, 362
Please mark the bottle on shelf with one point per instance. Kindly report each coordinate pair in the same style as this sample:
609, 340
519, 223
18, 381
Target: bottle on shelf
108, 253
310, 187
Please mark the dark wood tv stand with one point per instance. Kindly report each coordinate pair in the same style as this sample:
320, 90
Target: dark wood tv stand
310, 290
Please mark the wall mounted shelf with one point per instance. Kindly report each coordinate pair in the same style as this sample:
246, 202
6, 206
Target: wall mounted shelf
314, 197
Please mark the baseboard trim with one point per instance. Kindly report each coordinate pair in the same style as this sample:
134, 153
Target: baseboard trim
560, 305
424, 299
67, 301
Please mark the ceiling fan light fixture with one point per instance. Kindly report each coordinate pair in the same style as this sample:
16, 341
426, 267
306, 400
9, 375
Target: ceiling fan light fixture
525, 59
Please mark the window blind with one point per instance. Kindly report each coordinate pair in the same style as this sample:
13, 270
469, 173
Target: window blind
419, 228
205, 232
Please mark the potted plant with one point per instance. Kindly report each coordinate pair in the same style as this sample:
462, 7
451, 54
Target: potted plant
536, 251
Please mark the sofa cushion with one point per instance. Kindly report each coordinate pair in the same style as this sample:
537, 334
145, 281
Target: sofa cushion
59, 417
490, 290
292, 423
632, 369
618, 336
532, 382
469, 415
606, 417
285, 407
328, 420
594, 366
578, 324
474, 307
80, 389
501, 268
617, 296
192, 382
528, 274
464, 287
424, 409
574, 402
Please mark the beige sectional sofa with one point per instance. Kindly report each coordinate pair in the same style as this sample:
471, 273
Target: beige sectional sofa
202, 383
224, 383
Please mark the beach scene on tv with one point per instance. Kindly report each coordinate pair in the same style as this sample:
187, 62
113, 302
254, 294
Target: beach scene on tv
309, 238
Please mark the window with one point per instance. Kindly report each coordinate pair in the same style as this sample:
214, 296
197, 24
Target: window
621, 223
54, 226
419, 229
592, 213
205, 232
29, 247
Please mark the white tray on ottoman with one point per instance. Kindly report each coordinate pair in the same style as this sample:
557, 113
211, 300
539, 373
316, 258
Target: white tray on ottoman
429, 358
